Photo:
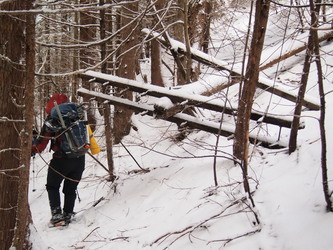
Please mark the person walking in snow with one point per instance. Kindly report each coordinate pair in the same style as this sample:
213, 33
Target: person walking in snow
61, 169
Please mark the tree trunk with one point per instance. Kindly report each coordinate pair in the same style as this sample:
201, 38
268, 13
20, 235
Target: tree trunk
199, 17
251, 79
178, 30
104, 27
126, 68
325, 181
156, 62
14, 163
76, 56
241, 142
188, 68
87, 34
23, 217
206, 17
301, 92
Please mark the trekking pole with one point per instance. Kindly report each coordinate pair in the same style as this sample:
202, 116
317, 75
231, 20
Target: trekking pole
100, 163
146, 170
33, 175
35, 135
112, 177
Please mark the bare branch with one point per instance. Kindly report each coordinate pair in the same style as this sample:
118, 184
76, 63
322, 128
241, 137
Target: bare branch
6, 119
300, 6
190, 229
9, 149
63, 11
228, 240
11, 170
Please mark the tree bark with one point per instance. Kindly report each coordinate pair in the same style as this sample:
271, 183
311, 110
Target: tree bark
23, 217
241, 142
178, 31
76, 55
156, 61
199, 18
87, 34
325, 181
251, 79
188, 60
104, 27
126, 68
15, 136
206, 18
301, 91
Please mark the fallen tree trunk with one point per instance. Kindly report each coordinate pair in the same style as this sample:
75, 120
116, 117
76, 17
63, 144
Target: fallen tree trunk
190, 121
178, 96
263, 83
294, 52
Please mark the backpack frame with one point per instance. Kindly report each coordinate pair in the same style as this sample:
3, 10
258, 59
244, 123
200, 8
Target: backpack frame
69, 120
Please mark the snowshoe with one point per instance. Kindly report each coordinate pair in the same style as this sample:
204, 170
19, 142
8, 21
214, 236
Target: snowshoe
57, 219
68, 217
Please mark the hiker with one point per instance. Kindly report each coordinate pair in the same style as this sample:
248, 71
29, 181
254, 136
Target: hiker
62, 168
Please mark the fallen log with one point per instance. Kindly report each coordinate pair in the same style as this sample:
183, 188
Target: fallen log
178, 96
263, 83
193, 122
294, 52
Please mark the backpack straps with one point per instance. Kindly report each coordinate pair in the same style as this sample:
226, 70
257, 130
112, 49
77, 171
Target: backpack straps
63, 125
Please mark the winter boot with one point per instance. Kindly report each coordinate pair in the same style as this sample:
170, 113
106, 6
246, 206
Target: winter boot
57, 218
68, 217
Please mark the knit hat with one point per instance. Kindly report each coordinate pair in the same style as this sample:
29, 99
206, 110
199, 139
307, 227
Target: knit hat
59, 98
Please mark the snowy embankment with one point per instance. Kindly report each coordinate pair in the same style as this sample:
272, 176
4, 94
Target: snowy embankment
176, 199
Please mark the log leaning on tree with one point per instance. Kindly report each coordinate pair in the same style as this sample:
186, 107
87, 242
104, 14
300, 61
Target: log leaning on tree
193, 122
217, 64
179, 97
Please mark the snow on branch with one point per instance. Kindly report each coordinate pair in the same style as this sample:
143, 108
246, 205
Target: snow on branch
6, 119
10, 170
181, 118
179, 95
63, 11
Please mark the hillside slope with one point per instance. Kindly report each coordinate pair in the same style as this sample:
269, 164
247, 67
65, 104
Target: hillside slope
176, 205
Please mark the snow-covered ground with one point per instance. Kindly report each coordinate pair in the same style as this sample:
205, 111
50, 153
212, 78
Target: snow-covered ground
176, 205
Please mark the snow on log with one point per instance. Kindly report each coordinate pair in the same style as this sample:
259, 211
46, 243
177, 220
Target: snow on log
164, 108
190, 121
295, 50
263, 83
178, 96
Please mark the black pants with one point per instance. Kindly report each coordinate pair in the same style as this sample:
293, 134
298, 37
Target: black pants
69, 170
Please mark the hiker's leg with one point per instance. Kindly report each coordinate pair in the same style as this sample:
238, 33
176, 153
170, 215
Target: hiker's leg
54, 179
70, 184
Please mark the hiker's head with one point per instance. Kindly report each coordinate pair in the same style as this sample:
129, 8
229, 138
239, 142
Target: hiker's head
59, 98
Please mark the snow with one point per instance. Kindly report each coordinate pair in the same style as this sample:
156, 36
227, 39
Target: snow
164, 102
263, 81
175, 205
